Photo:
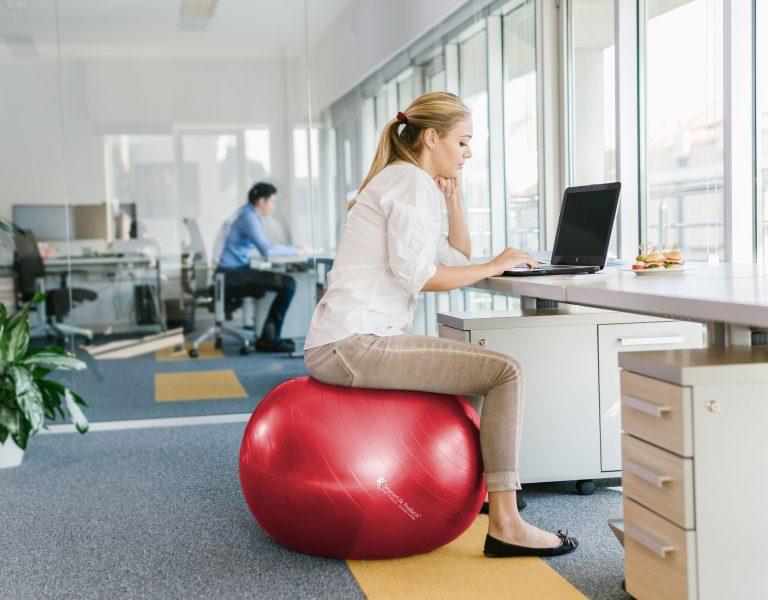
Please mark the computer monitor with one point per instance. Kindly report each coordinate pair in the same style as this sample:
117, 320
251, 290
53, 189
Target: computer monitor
56, 222
48, 221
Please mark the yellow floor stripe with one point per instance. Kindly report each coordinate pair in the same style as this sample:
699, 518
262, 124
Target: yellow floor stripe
459, 570
198, 385
206, 350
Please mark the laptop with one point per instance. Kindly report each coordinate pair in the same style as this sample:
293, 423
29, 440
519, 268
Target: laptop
583, 232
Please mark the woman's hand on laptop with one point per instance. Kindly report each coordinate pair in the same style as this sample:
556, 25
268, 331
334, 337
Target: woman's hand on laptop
511, 258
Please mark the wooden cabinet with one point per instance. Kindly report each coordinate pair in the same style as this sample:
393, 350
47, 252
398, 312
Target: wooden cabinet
695, 475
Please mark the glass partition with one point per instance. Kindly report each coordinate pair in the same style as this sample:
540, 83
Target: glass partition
761, 124
132, 135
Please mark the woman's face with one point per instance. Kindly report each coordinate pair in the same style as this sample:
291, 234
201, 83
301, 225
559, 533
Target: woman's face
451, 151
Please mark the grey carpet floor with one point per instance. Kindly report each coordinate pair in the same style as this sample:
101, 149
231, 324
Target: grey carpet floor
125, 389
158, 513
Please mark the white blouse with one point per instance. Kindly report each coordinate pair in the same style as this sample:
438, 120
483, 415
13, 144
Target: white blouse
388, 251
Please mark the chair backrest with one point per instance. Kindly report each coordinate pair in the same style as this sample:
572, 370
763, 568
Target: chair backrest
29, 263
200, 266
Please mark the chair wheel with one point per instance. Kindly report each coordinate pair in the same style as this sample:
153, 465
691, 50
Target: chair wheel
585, 487
244, 350
217, 343
193, 353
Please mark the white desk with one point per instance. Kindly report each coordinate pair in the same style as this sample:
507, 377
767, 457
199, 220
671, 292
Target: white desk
695, 457
111, 265
727, 293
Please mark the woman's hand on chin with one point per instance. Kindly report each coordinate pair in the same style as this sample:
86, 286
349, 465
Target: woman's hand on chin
451, 189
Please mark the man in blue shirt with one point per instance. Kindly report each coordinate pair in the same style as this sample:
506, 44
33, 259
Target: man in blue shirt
246, 235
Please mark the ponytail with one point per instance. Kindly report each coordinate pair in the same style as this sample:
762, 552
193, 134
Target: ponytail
440, 111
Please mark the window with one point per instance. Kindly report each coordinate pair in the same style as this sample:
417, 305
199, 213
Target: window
406, 91
591, 110
381, 111
762, 120
473, 88
521, 161
436, 82
257, 154
683, 137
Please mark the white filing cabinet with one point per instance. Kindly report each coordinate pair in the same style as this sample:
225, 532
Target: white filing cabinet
569, 356
695, 473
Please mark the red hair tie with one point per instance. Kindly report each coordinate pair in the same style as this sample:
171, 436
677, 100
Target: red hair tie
401, 118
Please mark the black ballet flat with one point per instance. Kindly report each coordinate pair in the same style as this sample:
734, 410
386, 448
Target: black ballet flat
521, 504
497, 549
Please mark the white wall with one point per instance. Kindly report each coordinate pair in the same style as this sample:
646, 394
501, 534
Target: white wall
41, 164
365, 36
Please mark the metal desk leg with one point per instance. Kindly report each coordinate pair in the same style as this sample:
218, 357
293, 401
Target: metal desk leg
724, 335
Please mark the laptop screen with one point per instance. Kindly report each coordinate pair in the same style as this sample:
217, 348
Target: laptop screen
586, 221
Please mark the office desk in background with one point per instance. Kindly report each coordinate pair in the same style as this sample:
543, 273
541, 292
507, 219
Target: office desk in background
695, 442
139, 268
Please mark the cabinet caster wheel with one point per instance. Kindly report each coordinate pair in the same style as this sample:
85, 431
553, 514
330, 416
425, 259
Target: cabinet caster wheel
193, 353
585, 487
244, 350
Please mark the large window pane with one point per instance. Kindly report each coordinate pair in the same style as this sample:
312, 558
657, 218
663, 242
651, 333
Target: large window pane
762, 118
521, 127
592, 97
684, 126
592, 56
406, 92
473, 88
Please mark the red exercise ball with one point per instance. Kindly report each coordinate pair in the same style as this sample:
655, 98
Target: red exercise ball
361, 473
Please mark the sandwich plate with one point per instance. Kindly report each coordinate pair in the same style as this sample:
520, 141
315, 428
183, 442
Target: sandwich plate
659, 272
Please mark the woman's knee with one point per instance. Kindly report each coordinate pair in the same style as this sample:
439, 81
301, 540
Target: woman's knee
512, 369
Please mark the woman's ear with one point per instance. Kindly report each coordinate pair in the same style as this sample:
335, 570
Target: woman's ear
430, 138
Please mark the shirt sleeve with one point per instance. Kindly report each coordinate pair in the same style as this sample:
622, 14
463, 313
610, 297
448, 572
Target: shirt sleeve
448, 255
253, 230
410, 245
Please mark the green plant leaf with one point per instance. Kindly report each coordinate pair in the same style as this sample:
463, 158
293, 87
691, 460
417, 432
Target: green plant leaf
3, 434
28, 397
22, 432
22, 315
54, 361
77, 416
18, 339
3, 313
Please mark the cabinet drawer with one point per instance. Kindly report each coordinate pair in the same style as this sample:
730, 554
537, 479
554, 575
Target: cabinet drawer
659, 480
659, 557
657, 412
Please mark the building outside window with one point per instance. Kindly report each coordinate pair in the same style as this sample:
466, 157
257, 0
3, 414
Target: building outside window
683, 138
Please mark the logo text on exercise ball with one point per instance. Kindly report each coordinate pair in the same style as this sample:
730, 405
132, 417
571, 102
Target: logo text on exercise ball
381, 485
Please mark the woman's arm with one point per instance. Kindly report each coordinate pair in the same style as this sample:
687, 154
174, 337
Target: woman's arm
458, 228
451, 278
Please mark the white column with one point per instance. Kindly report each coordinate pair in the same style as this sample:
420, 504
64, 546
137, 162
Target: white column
738, 134
627, 131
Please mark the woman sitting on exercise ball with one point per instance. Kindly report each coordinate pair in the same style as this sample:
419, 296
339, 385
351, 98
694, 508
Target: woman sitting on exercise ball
391, 250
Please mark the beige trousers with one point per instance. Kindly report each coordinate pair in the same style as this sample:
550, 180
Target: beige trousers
429, 364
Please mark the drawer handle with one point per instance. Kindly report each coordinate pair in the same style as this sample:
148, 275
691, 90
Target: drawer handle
649, 408
647, 540
652, 341
646, 474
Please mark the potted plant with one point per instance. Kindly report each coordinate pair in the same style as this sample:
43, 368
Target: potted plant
27, 398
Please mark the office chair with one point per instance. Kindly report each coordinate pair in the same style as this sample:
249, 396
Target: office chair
212, 295
30, 271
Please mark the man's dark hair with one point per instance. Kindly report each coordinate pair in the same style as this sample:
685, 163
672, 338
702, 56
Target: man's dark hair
261, 190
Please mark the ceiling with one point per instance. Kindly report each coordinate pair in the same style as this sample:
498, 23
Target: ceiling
131, 28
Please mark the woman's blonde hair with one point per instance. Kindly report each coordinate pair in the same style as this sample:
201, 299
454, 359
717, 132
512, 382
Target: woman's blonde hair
440, 111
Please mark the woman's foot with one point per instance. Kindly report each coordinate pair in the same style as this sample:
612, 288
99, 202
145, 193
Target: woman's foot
521, 533
518, 538
497, 549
